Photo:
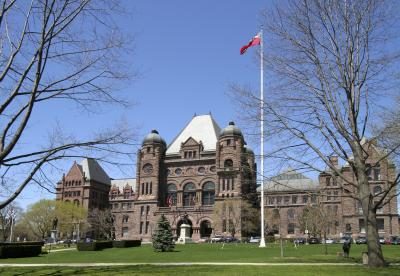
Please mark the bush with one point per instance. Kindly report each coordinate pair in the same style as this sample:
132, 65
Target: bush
41, 243
20, 250
127, 243
94, 246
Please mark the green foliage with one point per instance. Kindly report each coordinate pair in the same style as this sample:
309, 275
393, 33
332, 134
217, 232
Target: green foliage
163, 239
94, 246
20, 250
127, 243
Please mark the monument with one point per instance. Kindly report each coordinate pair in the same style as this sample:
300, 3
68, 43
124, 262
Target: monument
185, 231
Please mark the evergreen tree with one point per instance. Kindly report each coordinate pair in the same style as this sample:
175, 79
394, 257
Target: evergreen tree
163, 239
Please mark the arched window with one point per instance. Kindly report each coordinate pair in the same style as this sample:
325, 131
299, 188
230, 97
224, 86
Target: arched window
377, 190
76, 202
208, 194
189, 195
228, 163
171, 195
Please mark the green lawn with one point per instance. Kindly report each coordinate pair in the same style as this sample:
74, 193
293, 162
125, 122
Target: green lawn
209, 253
230, 253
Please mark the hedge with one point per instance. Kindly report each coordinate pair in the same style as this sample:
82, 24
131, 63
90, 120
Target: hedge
127, 243
41, 243
19, 250
94, 246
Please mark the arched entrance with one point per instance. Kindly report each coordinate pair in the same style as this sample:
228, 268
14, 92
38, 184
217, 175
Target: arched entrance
205, 229
178, 228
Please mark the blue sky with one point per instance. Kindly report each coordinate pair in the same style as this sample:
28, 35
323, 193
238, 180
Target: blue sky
187, 55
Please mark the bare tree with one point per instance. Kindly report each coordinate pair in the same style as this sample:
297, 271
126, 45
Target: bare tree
8, 220
331, 67
233, 216
52, 51
102, 223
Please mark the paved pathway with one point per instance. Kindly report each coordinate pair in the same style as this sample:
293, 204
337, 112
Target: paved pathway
178, 264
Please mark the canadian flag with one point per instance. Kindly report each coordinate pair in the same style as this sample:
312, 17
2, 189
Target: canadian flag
256, 40
169, 201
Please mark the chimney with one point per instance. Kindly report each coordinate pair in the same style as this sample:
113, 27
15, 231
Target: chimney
334, 160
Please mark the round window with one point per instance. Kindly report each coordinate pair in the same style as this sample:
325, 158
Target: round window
148, 168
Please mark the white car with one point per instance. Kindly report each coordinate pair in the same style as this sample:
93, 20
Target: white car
255, 240
328, 241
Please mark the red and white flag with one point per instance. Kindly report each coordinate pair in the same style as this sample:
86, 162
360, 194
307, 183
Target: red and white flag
256, 40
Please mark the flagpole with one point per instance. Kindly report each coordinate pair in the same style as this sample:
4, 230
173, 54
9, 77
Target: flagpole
262, 241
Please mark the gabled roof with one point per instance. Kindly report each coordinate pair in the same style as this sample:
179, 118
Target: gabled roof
201, 128
93, 171
121, 183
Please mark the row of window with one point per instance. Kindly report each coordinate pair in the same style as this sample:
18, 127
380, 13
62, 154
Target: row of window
73, 183
332, 195
228, 184
146, 188
189, 194
124, 206
144, 227
189, 154
72, 193
278, 200
127, 194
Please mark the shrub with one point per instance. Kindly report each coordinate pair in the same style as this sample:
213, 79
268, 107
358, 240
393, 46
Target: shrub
19, 250
94, 246
41, 243
127, 243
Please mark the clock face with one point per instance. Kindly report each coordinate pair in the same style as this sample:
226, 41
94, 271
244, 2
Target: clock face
148, 168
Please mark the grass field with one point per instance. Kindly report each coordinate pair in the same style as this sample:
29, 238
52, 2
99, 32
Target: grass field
230, 253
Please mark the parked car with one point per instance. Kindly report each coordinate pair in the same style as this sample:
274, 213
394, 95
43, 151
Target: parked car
381, 240
396, 241
313, 240
391, 240
217, 239
203, 240
230, 239
328, 241
361, 240
255, 240
299, 240
346, 239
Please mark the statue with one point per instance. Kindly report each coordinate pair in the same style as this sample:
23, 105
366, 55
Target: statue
55, 222
185, 218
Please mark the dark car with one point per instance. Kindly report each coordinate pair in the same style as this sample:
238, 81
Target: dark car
361, 240
230, 239
396, 241
299, 240
313, 240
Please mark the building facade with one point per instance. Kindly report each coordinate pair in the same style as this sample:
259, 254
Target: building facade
289, 193
203, 165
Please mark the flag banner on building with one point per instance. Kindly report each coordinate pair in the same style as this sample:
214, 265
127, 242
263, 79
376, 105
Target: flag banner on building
256, 40
169, 201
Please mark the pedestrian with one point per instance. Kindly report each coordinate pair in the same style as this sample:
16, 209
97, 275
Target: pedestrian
346, 248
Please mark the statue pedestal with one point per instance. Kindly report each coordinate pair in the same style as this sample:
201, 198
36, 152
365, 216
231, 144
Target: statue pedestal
53, 235
185, 235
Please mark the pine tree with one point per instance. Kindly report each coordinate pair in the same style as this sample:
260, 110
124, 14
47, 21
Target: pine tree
163, 239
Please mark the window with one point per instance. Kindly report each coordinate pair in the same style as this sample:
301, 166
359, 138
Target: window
314, 198
171, 195
348, 227
116, 206
328, 196
290, 229
380, 222
151, 187
142, 188
147, 210
377, 173
125, 219
379, 209
123, 206
278, 200
291, 213
129, 205
286, 199
224, 225
189, 195
377, 190
141, 210
228, 142
335, 195
361, 225
294, 199
271, 200
328, 181
305, 198
228, 163
147, 227
147, 188
127, 194
208, 193
141, 228
124, 232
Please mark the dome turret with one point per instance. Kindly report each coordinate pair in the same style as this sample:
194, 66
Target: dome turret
231, 129
153, 137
